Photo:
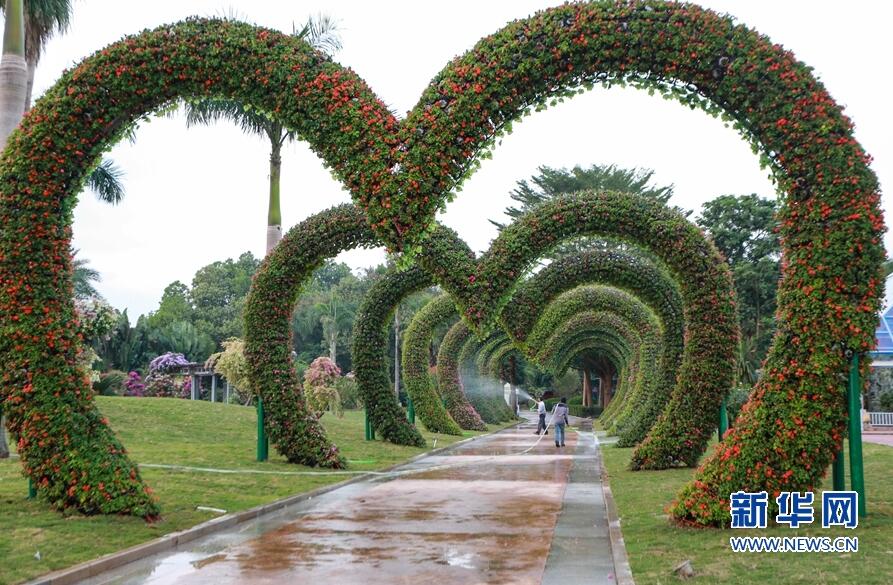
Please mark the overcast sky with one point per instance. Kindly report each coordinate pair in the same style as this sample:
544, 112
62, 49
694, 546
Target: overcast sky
199, 195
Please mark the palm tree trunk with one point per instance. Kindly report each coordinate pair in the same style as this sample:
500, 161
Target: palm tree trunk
13, 71
274, 214
31, 64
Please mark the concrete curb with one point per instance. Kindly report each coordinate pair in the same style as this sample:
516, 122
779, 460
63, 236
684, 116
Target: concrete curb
117, 559
622, 571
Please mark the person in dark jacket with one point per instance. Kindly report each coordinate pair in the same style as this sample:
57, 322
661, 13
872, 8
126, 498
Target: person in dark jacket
559, 421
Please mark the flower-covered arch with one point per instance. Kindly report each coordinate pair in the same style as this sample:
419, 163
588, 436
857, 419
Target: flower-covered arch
707, 367
416, 341
400, 173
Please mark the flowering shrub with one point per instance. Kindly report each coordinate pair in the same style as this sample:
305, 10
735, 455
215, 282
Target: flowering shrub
416, 378
133, 385
162, 385
233, 366
321, 398
319, 385
167, 362
96, 318
322, 372
401, 173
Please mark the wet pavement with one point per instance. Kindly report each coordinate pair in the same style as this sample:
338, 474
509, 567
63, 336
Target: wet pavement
483, 512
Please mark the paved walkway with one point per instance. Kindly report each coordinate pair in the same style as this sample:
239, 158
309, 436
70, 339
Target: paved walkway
480, 513
885, 439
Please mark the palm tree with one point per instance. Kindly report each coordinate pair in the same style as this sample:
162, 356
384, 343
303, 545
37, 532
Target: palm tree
84, 276
41, 19
13, 75
322, 34
13, 70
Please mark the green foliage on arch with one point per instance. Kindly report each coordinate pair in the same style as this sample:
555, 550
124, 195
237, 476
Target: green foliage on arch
613, 329
450, 383
400, 173
416, 341
369, 353
488, 398
484, 287
293, 429
646, 399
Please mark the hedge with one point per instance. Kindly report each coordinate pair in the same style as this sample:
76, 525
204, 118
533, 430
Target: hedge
449, 382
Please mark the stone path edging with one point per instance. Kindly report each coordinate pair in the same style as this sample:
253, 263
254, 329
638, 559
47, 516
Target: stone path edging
117, 559
622, 571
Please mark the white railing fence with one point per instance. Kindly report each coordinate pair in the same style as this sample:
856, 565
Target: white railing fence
880, 419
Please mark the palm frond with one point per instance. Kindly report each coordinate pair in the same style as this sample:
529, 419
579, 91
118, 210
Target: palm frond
209, 111
321, 32
44, 18
83, 276
105, 182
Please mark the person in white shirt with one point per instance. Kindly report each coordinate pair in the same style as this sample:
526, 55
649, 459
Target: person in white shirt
541, 411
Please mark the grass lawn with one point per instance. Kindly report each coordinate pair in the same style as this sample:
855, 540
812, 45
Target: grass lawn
655, 546
178, 432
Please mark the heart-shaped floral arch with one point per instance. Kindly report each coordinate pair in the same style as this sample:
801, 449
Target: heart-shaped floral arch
627, 270
400, 173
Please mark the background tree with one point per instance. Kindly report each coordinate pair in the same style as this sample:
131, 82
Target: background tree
175, 306
320, 32
550, 182
743, 227
218, 296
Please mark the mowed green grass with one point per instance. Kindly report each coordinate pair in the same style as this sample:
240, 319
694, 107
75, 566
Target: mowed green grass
655, 546
173, 432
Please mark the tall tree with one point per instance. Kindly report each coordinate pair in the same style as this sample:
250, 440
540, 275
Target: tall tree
743, 227
13, 76
84, 277
322, 33
550, 182
41, 20
13, 70
218, 295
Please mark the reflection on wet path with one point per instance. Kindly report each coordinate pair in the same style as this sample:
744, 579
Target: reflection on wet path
490, 520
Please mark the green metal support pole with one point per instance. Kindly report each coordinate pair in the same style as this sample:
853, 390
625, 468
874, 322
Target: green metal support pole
263, 445
410, 411
32, 491
723, 418
854, 394
837, 471
370, 430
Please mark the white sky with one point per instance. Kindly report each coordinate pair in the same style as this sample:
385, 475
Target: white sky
200, 195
